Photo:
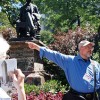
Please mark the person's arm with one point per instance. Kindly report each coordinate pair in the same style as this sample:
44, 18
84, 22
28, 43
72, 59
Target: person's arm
57, 57
18, 80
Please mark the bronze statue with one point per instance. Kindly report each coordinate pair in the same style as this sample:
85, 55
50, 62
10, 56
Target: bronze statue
28, 23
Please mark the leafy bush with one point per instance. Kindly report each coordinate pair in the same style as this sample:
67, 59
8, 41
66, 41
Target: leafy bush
52, 86
67, 43
56, 72
47, 37
50, 90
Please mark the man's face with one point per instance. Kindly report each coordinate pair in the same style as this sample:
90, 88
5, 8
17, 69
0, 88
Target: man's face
87, 50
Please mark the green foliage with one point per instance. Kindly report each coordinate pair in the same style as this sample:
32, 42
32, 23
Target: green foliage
59, 14
46, 37
56, 72
30, 88
53, 86
96, 55
60, 11
4, 20
50, 86
11, 9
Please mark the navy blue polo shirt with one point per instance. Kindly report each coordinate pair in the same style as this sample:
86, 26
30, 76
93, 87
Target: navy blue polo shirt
79, 72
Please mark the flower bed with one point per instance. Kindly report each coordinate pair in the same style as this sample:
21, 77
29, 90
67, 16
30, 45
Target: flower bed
51, 90
41, 96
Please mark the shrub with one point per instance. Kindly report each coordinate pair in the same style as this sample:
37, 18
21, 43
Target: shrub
50, 90
46, 37
52, 86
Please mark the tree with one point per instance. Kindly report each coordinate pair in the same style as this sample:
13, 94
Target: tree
60, 13
4, 20
10, 9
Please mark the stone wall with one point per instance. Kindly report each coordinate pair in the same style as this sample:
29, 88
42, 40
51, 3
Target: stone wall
28, 60
24, 55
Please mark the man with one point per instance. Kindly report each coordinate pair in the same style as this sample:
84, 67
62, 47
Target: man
17, 75
78, 70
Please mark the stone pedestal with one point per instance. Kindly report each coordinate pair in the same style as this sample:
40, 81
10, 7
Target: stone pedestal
28, 60
24, 55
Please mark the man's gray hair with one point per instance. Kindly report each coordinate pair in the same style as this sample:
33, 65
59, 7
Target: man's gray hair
4, 46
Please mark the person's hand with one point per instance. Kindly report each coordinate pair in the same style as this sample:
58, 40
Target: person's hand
32, 45
18, 79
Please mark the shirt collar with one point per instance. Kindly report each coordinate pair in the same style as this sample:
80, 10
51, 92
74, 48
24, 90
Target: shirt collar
80, 58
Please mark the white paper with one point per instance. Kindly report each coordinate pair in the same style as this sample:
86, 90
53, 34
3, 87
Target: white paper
11, 64
3, 95
6, 66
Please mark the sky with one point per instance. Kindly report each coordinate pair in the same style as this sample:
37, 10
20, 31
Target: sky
0, 9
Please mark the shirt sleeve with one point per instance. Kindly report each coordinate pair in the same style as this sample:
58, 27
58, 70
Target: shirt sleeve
58, 58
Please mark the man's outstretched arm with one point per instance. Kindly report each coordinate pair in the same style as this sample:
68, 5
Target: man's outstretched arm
51, 55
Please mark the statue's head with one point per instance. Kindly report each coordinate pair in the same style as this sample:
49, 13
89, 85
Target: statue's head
28, 1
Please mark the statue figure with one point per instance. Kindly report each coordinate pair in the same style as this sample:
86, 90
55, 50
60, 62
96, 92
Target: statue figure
28, 22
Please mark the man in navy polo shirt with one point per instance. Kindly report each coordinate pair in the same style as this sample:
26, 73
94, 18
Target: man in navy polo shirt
79, 70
